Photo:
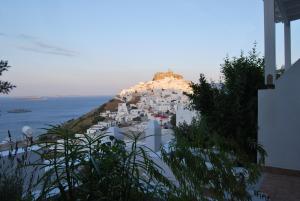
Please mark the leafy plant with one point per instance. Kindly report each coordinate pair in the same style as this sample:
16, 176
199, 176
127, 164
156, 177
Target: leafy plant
230, 108
11, 181
173, 120
15, 180
97, 119
216, 156
99, 167
5, 87
207, 165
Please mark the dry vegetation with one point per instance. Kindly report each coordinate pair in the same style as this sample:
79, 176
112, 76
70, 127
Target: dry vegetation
84, 122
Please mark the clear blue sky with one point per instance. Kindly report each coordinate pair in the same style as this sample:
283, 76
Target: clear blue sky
96, 47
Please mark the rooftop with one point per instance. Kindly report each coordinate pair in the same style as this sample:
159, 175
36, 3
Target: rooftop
287, 10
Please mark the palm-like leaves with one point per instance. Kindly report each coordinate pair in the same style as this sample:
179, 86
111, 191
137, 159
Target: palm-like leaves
95, 168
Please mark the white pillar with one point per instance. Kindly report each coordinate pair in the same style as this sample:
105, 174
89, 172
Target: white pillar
287, 45
270, 41
153, 135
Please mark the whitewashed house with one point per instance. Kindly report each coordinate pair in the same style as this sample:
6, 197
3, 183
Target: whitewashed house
135, 112
112, 115
164, 107
279, 105
105, 114
122, 109
123, 114
106, 124
94, 129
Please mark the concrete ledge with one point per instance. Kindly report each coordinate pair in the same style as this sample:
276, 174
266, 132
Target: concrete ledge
281, 184
281, 171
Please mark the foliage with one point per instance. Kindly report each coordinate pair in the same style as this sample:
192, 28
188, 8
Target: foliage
231, 107
173, 120
5, 87
207, 165
97, 119
13, 175
99, 167
11, 182
213, 157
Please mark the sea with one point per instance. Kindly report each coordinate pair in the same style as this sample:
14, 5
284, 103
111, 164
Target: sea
44, 111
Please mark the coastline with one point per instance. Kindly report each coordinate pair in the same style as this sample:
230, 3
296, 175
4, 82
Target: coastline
85, 121
53, 111
77, 125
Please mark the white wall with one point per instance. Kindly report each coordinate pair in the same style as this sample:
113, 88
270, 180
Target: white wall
184, 115
279, 120
153, 135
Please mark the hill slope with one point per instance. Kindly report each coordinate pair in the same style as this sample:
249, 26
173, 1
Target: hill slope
86, 121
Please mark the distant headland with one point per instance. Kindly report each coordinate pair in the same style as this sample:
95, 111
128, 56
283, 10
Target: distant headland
18, 111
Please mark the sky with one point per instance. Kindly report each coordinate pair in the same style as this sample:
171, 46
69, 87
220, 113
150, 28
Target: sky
98, 47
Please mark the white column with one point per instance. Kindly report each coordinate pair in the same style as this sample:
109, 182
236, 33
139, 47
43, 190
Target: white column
153, 135
270, 42
287, 44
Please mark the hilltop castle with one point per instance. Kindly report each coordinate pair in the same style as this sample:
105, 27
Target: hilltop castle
163, 75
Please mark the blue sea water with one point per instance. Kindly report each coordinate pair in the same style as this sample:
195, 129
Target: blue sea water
45, 111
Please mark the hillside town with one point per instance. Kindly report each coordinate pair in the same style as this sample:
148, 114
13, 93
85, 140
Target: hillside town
159, 99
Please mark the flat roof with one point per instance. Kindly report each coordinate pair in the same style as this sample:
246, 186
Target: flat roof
287, 10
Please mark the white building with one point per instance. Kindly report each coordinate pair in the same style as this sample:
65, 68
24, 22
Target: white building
123, 114
106, 124
94, 129
163, 107
112, 115
136, 112
116, 132
279, 105
122, 109
105, 114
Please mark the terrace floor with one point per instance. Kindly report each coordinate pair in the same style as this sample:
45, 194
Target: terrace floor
281, 185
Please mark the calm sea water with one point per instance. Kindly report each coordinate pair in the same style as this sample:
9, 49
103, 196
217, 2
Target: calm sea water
48, 111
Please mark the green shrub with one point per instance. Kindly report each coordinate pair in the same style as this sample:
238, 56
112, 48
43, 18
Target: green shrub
231, 108
97, 119
205, 165
173, 120
13, 174
86, 168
